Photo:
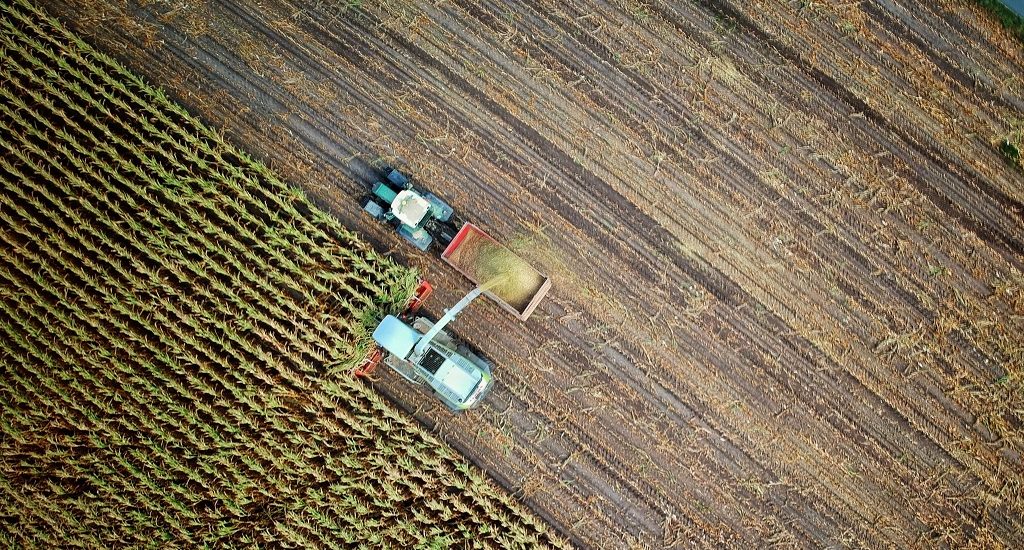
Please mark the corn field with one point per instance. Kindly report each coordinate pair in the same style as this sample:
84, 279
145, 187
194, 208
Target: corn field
176, 332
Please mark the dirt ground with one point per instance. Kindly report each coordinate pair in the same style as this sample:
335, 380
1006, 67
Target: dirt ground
786, 240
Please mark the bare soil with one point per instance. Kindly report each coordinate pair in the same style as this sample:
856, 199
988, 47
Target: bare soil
786, 246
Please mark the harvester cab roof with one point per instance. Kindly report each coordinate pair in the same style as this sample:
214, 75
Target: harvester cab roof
423, 352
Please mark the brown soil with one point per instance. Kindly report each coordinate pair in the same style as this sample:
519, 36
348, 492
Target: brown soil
789, 305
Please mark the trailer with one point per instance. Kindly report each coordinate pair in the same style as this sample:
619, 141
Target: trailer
506, 277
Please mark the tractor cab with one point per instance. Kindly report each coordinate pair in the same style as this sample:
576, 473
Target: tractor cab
418, 215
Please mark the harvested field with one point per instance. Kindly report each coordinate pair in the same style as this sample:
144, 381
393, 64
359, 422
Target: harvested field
177, 328
785, 237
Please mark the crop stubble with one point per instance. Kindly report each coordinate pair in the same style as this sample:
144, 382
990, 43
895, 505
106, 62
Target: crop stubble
787, 300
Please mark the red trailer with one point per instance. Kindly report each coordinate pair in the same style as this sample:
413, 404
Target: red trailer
507, 278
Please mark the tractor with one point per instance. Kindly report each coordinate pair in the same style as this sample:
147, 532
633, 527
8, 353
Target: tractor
418, 215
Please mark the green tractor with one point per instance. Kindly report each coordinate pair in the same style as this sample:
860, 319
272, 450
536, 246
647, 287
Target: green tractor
418, 215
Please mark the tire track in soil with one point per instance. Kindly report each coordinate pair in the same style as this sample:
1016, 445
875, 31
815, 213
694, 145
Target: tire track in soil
748, 176
887, 57
884, 18
735, 350
981, 223
899, 289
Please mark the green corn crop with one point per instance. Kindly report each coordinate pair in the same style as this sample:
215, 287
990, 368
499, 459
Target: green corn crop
176, 330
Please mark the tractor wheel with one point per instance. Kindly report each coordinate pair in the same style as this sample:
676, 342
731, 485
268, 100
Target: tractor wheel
373, 208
